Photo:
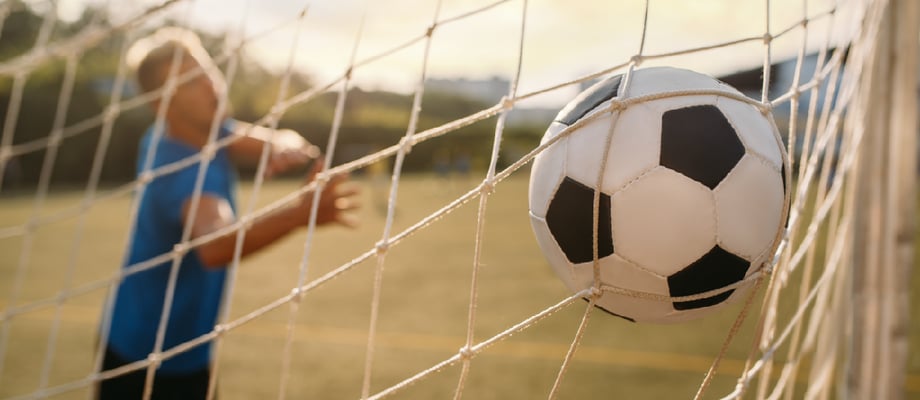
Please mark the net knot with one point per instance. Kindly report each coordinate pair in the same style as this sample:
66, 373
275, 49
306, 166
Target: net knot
819, 80
617, 105
767, 38
507, 103
430, 30
405, 144
145, 178
245, 222
169, 89
595, 293
30, 226
322, 178
111, 113
208, 151
382, 247
487, 187
5, 155
274, 115
296, 294
180, 249
155, 359
220, 329
765, 108
466, 353
54, 139
636, 59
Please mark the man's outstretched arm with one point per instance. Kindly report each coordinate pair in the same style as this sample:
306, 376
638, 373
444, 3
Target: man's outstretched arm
287, 149
214, 213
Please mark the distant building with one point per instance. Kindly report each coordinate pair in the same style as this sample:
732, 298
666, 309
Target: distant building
782, 76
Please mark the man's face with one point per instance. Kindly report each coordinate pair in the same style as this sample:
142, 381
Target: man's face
195, 101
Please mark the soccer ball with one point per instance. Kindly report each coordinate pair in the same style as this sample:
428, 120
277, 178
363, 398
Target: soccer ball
692, 193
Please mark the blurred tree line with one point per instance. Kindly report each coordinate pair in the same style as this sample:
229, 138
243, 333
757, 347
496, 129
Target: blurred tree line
373, 119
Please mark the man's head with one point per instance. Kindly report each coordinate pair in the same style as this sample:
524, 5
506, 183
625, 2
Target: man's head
178, 54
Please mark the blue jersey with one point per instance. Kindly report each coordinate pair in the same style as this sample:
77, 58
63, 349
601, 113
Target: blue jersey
139, 302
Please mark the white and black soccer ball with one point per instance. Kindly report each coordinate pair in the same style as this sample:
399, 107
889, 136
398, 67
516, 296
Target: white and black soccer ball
692, 195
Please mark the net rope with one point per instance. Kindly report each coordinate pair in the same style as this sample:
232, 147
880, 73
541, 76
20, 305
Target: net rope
826, 131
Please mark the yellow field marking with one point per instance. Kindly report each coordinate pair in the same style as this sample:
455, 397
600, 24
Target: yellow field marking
452, 344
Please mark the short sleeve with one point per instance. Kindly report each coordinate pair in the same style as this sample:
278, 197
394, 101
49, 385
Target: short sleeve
173, 190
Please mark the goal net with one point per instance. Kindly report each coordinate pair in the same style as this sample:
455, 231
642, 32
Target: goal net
436, 111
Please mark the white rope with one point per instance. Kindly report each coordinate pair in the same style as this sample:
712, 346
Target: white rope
310, 94
384, 244
232, 268
311, 225
487, 188
43, 52
469, 352
846, 163
70, 72
820, 140
180, 249
9, 126
95, 172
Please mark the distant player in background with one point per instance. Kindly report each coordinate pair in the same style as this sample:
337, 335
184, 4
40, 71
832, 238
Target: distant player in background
167, 204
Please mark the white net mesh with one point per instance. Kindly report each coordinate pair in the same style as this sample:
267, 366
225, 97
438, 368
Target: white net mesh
440, 293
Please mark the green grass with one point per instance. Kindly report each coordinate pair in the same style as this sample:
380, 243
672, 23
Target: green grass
423, 308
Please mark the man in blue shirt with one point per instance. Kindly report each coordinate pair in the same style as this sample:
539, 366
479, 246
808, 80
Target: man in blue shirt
166, 212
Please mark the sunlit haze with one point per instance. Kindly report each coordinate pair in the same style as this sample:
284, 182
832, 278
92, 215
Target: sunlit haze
561, 42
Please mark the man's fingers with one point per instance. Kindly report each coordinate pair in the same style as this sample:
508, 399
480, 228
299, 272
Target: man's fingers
311, 151
347, 220
348, 191
346, 204
315, 169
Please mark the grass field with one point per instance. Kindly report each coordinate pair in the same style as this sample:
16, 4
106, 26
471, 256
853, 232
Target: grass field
423, 309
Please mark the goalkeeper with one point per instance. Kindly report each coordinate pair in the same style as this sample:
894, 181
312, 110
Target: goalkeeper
166, 209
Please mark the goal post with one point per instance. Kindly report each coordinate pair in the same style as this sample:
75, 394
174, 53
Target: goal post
886, 217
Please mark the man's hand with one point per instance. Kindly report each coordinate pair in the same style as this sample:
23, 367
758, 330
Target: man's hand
213, 213
289, 150
335, 201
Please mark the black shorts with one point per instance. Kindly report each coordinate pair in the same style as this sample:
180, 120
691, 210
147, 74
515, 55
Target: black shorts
131, 385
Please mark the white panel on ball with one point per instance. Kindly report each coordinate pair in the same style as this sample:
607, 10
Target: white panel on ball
664, 221
616, 271
672, 103
553, 253
668, 79
548, 171
634, 148
754, 130
584, 272
750, 206
586, 149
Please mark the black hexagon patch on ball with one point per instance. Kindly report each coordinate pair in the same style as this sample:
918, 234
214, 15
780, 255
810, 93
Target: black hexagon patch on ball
700, 143
570, 218
716, 269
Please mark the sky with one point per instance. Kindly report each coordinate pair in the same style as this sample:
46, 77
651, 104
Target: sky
561, 42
